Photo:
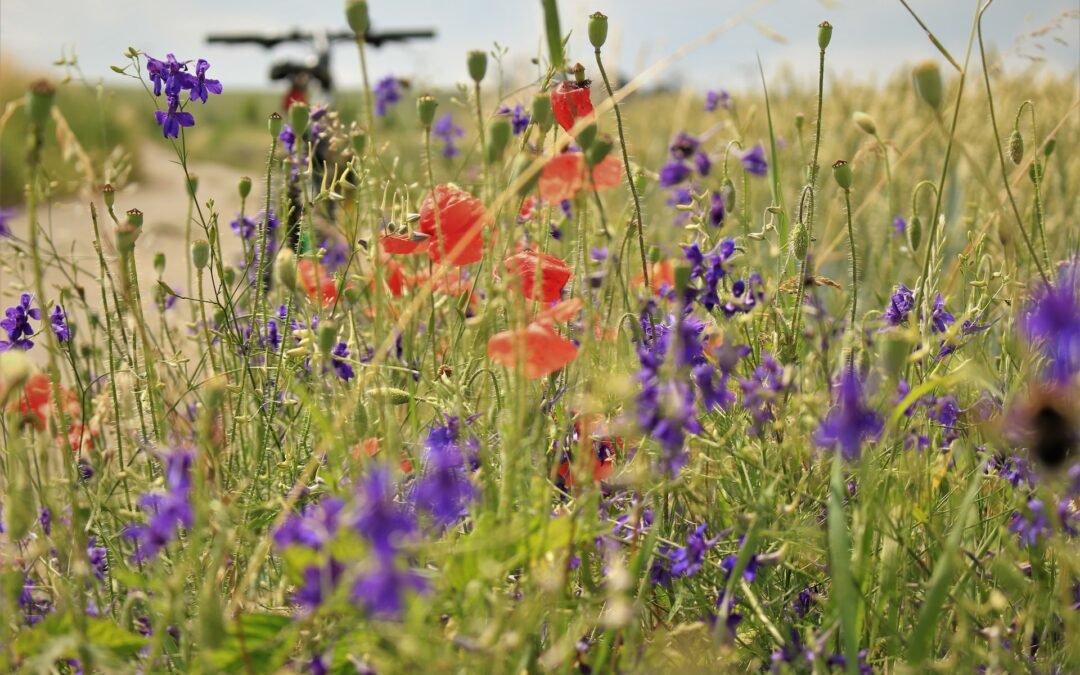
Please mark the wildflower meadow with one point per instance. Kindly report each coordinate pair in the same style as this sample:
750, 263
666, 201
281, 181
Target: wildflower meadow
579, 375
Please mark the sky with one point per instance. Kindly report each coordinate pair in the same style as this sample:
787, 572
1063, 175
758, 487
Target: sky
872, 38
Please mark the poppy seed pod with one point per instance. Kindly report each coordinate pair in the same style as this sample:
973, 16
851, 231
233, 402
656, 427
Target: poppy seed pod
425, 109
159, 263
285, 268
244, 187
599, 149
298, 118
824, 34
477, 63
200, 253
498, 137
800, 240
915, 233
327, 336
1016, 146
865, 122
727, 191
928, 84
275, 123
108, 194
841, 171
598, 26
356, 13
541, 111
1048, 148
135, 217
39, 101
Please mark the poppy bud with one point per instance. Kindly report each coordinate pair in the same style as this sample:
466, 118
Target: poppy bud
841, 171
200, 253
356, 13
477, 63
39, 101
586, 136
865, 122
800, 240
599, 150
1048, 148
915, 233
824, 34
298, 118
928, 85
390, 395
244, 187
800, 120
359, 142
541, 111
285, 268
327, 336
159, 263
275, 125
1016, 146
727, 191
597, 29
425, 109
1035, 171
498, 137
108, 193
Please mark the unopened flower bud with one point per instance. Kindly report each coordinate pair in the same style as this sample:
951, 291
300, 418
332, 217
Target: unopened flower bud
541, 111
200, 253
865, 122
425, 109
39, 102
498, 137
108, 194
599, 149
586, 136
1016, 146
928, 85
800, 240
356, 13
244, 187
327, 336
727, 191
275, 125
915, 232
824, 34
159, 263
598, 26
841, 171
285, 268
476, 60
298, 118
1048, 148
1035, 171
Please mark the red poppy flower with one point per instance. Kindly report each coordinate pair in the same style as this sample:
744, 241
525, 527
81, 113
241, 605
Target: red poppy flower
661, 274
604, 444
461, 218
542, 348
317, 282
554, 273
403, 245
35, 406
526, 210
570, 102
561, 312
371, 447
564, 176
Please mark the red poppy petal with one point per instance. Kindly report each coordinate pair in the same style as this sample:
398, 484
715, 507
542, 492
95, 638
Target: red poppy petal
402, 245
570, 101
461, 218
561, 312
561, 177
544, 350
554, 274
607, 173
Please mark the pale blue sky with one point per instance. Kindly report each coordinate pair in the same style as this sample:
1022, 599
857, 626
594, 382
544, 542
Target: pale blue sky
872, 37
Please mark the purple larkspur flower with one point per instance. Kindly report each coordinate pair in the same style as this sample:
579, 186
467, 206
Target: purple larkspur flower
702, 163
940, 318
899, 226
245, 226
1031, 525
717, 209
320, 581
201, 86
98, 557
1051, 322
34, 602
519, 117
717, 98
167, 511
380, 519
684, 146
687, 560
382, 591
766, 386
681, 196
6, 216
313, 527
753, 160
444, 490
445, 129
172, 119
673, 173
16, 323
58, 322
851, 421
288, 138
342, 367
900, 305
387, 92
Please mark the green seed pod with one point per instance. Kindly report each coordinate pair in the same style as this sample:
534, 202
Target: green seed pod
541, 111
598, 26
579, 72
285, 268
928, 84
1016, 146
230, 275
275, 124
824, 34
1048, 148
865, 122
108, 194
498, 138
521, 163
356, 13
915, 233
841, 171
359, 142
327, 336
159, 263
200, 253
391, 395
800, 120
425, 110
244, 187
599, 150
800, 240
586, 136
135, 217
477, 61
298, 118
39, 102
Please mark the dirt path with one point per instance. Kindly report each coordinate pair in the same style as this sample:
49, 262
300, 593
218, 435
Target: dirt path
161, 195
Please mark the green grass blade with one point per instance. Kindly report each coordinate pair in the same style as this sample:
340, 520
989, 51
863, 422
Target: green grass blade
843, 586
